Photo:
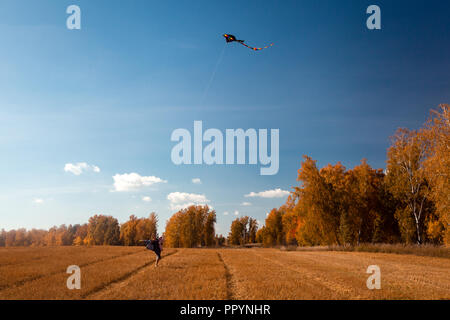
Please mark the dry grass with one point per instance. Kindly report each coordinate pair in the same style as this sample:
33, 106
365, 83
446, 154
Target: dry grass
21, 265
189, 274
426, 250
129, 273
342, 275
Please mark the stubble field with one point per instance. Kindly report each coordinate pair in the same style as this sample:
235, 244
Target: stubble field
199, 274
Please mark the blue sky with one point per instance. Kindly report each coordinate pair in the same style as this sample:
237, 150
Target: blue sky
111, 94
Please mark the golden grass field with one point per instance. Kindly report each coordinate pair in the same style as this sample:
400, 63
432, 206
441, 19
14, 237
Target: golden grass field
129, 273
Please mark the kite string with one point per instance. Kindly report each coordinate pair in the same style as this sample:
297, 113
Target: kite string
219, 60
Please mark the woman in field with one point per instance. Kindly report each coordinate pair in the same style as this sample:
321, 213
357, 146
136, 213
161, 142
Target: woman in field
156, 246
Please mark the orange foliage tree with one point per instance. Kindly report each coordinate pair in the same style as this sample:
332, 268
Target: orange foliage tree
191, 227
136, 229
437, 171
242, 231
407, 181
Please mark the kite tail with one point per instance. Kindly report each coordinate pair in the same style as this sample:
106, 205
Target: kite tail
256, 49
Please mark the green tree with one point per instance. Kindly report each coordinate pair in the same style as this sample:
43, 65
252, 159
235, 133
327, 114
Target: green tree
103, 230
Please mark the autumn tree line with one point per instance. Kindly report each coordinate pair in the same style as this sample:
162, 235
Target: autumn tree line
100, 230
188, 228
409, 202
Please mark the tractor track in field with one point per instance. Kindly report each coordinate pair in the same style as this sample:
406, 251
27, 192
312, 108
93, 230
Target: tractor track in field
122, 281
8, 264
41, 276
228, 278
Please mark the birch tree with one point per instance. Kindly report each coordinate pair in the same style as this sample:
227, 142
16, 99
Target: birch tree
406, 175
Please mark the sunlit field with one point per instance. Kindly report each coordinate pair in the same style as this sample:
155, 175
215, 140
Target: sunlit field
130, 273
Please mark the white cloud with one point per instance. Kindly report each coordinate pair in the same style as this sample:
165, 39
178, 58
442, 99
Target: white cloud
246, 204
236, 213
146, 199
38, 201
178, 197
182, 200
196, 181
275, 193
133, 181
80, 167
225, 213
